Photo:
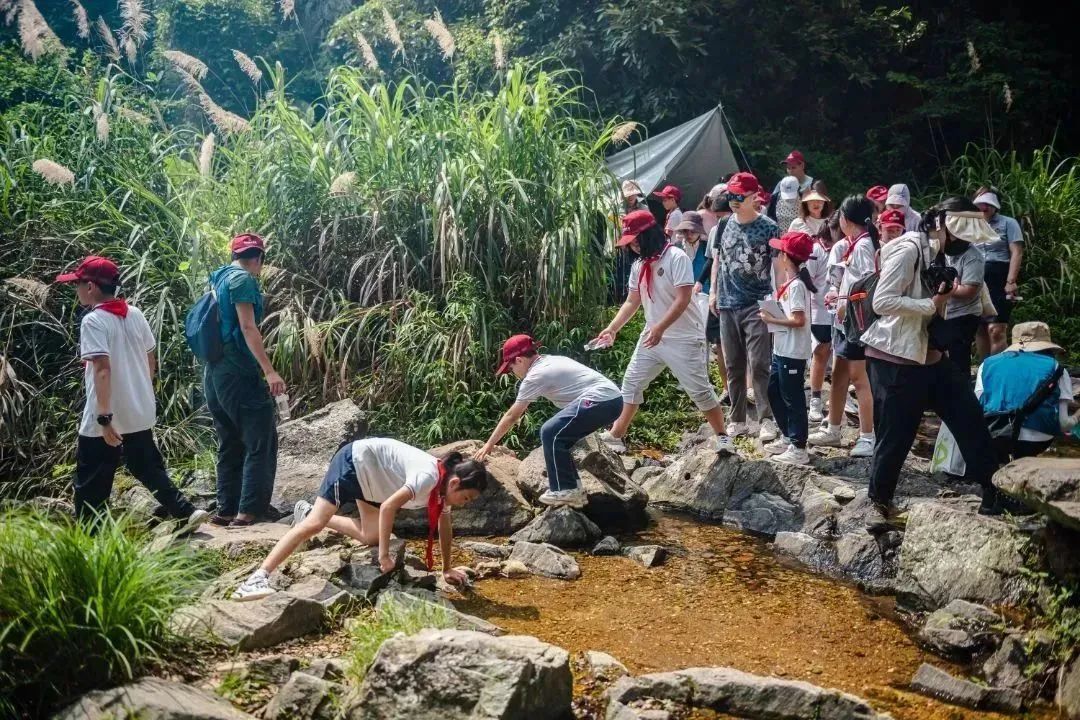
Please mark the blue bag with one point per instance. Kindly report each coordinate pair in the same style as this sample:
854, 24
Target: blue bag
202, 327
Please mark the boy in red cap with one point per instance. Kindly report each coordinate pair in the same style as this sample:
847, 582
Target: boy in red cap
792, 347
662, 280
587, 401
117, 347
240, 388
670, 196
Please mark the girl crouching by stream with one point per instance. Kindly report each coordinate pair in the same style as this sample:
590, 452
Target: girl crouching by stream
381, 476
791, 347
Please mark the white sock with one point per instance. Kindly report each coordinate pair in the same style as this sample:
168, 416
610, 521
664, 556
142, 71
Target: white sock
834, 428
868, 436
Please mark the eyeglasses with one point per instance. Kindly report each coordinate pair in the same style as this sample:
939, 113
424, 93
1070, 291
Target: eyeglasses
734, 197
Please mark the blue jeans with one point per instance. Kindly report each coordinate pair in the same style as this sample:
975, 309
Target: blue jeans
788, 398
565, 428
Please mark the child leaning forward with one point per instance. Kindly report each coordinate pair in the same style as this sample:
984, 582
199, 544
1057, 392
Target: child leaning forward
791, 347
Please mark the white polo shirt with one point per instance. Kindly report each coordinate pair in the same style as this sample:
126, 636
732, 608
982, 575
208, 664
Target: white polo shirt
563, 380
671, 271
384, 466
126, 342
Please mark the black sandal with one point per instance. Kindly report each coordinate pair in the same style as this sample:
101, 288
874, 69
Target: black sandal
220, 520
241, 523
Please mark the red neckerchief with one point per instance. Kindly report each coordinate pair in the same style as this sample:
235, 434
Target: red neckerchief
783, 289
436, 502
117, 307
646, 269
851, 247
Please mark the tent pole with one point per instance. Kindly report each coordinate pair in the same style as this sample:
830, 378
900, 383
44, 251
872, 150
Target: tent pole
723, 116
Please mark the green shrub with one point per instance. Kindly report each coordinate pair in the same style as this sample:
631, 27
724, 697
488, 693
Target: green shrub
368, 632
79, 610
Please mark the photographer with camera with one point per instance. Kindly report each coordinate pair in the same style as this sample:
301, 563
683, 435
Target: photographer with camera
905, 354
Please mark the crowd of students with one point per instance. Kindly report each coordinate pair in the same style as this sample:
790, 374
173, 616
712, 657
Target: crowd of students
783, 289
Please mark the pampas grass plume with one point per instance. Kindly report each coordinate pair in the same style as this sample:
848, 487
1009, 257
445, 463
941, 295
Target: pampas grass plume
288, 7
392, 32
621, 134
101, 124
206, 155
343, 184
367, 52
248, 66
36, 36
53, 172
135, 20
182, 61
106, 34
82, 21
500, 52
442, 35
222, 119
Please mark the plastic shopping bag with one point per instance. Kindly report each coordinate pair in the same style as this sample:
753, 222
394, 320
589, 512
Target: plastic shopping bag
947, 457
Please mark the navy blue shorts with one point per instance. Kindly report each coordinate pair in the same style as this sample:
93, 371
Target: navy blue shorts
822, 333
340, 485
844, 349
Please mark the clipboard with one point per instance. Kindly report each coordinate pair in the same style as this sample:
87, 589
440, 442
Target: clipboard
772, 307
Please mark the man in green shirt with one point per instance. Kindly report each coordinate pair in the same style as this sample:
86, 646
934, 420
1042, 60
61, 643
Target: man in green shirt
240, 388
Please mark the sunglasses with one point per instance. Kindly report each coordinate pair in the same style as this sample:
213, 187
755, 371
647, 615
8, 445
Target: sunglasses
735, 197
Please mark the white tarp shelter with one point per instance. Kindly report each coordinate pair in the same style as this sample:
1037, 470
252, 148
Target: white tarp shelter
693, 156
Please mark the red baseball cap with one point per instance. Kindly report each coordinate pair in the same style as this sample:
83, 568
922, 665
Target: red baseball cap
764, 196
94, 268
743, 183
247, 241
892, 217
670, 191
513, 348
633, 224
793, 157
878, 193
798, 245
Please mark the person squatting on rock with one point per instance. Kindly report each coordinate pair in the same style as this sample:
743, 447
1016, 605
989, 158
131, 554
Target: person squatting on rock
908, 370
791, 347
381, 476
852, 259
587, 402
662, 280
740, 278
117, 347
239, 399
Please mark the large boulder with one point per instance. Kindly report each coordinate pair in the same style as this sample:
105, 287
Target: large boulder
546, 560
463, 675
615, 501
937, 683
1068, 692
151, 699
950, 553
960, 629
1048, 485
251, 625
305, 446
561, 526
726, 690
499, 511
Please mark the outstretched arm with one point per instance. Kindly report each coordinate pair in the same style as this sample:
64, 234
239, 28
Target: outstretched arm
508, 420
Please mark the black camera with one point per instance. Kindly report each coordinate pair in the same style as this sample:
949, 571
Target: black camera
938, 274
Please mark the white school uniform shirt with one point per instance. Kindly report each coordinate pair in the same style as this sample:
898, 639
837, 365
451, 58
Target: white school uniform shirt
862, 263
126, 342
671, 271
789, 342
563, 380
818, 266
384, 466
835, 270
673, 219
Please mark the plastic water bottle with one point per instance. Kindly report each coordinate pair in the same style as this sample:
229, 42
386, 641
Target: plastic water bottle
282, 402
596, 344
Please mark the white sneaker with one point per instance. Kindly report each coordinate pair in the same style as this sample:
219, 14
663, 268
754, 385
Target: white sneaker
725, 445
817, 410
256, 587
614, 443
851, 407
777, 446
736, 429
864, 447
575, 498
192, 522
826, 437
793, 456
769, 431
300, 511
750, 396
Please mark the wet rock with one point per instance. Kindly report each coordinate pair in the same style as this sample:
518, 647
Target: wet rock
151, 699
488, 550
960, 629
500, 511
324, 592
546, 560
607, 546
646, 472
855, 555
819, 512
951, 554
1012, 663
1047, 485
514, 569
931, 681
272, 669
603, 666
460, 620
763, 514
363, 575
462, 675
326, 669
733, 692
305, 697
561, 526
1068, 692
251, 625
305, 446
615, 501
646, 555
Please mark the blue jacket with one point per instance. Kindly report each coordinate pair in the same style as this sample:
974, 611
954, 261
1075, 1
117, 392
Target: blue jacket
1010, 378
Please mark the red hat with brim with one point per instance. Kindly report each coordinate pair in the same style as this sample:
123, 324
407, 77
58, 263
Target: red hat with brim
798, 245
670, 192
94, 268
247, 241
743, 183
793, 157
513, 348
878, 193
893, 218
633, 224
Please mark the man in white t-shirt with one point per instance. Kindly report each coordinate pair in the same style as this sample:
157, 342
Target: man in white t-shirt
662, 280
117, 345
587, 401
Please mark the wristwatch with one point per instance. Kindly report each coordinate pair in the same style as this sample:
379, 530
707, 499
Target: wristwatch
105, 419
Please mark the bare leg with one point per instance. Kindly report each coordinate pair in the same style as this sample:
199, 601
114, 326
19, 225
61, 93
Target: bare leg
982, 341
715, 418
838, 391
311, 526
998, 338
365, 528
625, 418
859, 379
818, 364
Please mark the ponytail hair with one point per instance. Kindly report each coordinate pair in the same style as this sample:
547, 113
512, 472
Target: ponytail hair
804, 275
472, 474
859, 210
